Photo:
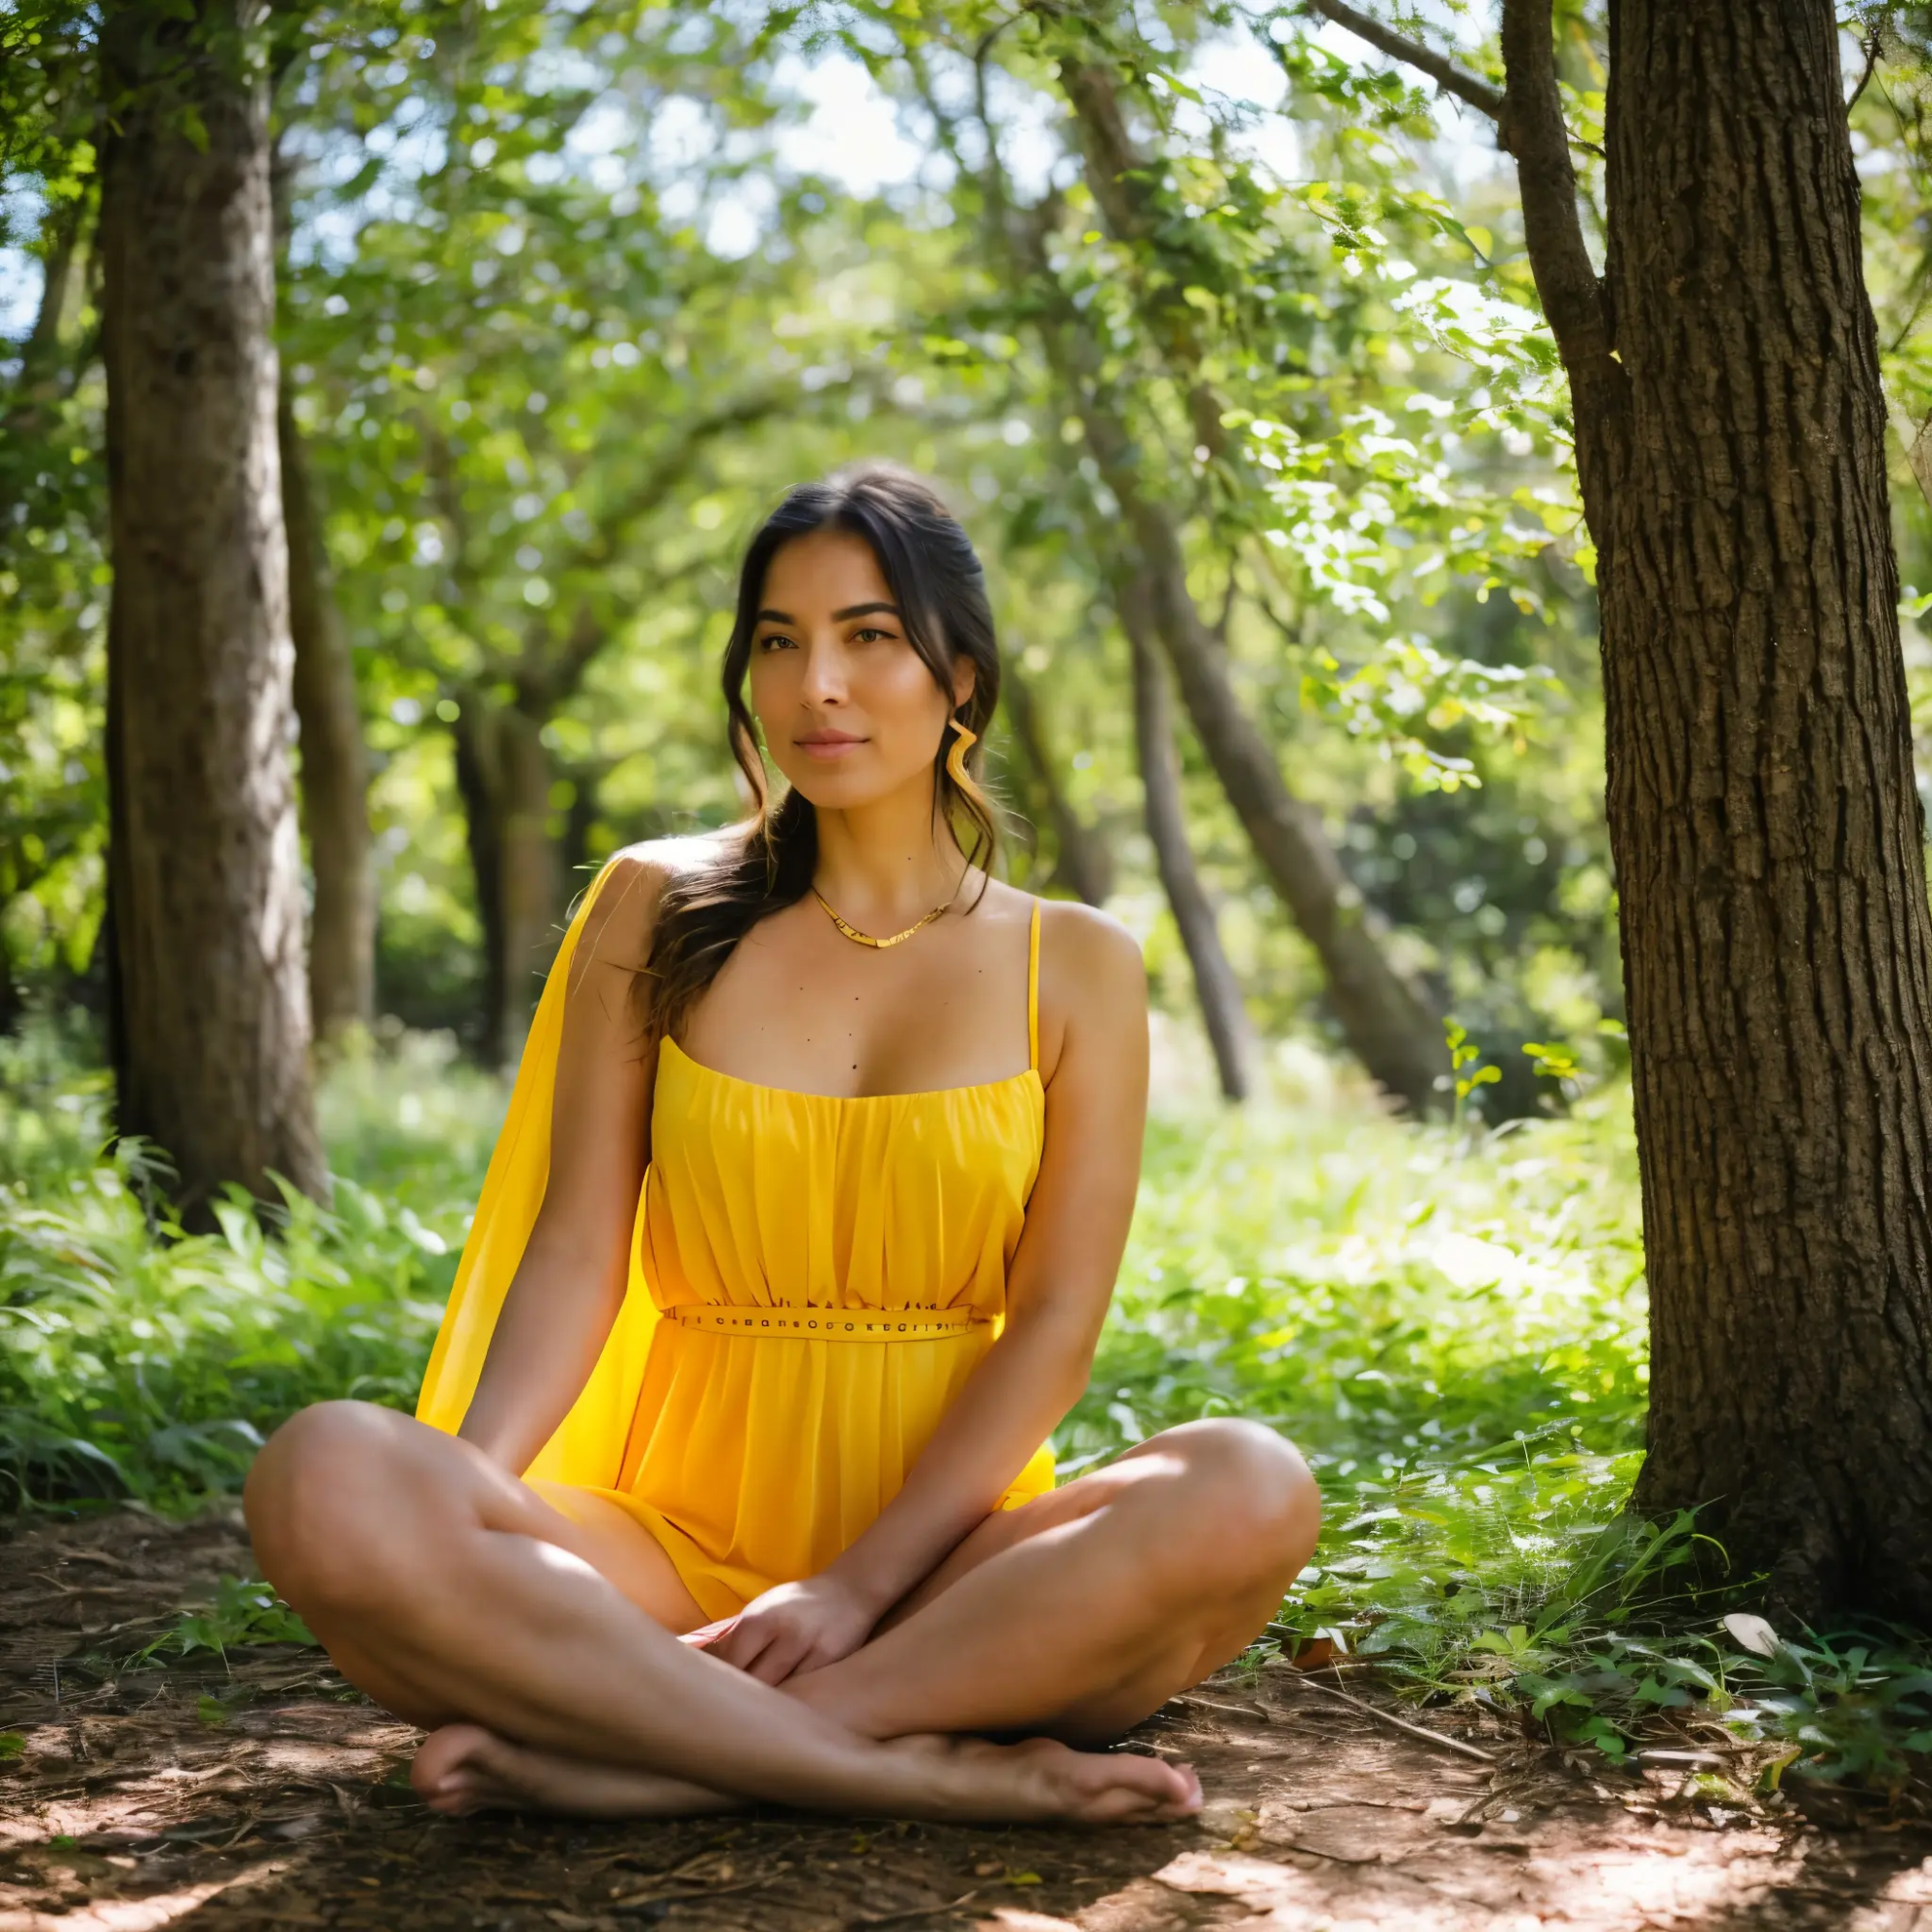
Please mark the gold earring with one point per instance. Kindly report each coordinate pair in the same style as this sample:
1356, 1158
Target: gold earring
955, 759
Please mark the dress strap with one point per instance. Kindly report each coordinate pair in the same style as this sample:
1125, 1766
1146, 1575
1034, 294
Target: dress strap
1033, 991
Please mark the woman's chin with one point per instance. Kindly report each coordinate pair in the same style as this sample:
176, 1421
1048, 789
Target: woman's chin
847, 784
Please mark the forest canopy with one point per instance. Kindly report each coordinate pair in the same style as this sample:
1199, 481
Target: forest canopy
566, 297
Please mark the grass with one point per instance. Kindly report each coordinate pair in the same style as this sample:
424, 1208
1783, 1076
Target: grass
1450, 1322
133, 1365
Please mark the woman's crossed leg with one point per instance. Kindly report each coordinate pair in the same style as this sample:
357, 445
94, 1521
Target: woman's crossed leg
1073, 1616
1081, 1612
537, 1648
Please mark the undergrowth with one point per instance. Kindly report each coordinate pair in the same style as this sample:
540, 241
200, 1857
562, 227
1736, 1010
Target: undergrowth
1450, 1323
137, 1360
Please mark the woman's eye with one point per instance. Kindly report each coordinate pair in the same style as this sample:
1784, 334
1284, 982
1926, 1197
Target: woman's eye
775, 641
867, 635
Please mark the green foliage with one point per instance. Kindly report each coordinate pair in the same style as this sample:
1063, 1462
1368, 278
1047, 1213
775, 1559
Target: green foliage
136, 1359
245, 1611
1851, 1709
1453, 1330
559, 313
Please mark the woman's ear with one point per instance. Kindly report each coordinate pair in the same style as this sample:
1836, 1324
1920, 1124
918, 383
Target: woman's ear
965, 682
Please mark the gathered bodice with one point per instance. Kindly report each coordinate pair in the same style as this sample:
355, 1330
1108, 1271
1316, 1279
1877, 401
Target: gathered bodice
763, 1197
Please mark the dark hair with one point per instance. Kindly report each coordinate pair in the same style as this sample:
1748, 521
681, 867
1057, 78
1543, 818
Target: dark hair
928, 564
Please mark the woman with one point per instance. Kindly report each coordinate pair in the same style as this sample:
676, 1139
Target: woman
794, 1249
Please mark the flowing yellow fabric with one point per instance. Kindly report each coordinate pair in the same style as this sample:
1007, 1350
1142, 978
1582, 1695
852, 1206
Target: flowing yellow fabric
754, 1454
587, 1449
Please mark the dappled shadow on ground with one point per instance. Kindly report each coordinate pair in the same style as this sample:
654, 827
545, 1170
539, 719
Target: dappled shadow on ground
263, 1794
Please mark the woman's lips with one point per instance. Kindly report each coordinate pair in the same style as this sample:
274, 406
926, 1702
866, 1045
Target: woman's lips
827, 745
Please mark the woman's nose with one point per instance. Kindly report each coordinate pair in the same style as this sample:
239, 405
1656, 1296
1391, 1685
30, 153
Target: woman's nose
825, 674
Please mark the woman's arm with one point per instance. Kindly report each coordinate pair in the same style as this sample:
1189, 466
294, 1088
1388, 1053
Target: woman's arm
1058, 1290
570, 1282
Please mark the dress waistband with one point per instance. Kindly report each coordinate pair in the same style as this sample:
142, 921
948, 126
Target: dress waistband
826, 1325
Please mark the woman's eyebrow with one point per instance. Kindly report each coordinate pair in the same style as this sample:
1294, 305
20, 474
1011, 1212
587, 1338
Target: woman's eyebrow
864, 611
775, 618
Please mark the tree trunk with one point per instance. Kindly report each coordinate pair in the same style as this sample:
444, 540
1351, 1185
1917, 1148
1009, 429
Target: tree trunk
206, 880
1764, 818
574, 863
1770, 855
503, 773
28, 404
335, 764
1081, 859
1383, 1017
1216, 986
1386, 1019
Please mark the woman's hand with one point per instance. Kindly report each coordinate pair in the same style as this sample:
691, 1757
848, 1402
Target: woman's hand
791, 1629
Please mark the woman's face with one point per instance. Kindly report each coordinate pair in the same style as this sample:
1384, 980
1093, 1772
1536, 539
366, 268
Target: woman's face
849, 710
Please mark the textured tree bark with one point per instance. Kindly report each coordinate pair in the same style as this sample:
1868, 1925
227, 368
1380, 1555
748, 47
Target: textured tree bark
503, 773
206, 884
1081, 859
1766, 826
1216, 986
1769, 842
335, 764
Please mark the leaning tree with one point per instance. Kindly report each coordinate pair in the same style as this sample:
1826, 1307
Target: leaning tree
1730, 447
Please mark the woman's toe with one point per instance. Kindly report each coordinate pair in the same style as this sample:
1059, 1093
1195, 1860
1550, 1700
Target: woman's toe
444, 1774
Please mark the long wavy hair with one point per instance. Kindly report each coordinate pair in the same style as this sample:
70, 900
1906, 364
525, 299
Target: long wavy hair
935, 579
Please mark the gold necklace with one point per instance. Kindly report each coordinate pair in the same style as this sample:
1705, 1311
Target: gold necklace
858, 938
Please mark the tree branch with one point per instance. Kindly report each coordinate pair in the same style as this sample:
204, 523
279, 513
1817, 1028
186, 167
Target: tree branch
1123, 184
1532, 130
1444, 72
1873, 46
46, 378
670, 467
1915, 439
590, 634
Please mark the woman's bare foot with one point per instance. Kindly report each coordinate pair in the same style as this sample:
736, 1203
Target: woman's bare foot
464, 1768
1041, 1779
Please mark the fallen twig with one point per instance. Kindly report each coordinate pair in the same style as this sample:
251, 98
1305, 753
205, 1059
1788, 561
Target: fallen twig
915, 1912
1316, 1852
638, 1901
1396, 1723
1232, 1710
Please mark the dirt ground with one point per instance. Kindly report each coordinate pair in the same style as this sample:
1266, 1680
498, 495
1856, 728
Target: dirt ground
187, 1797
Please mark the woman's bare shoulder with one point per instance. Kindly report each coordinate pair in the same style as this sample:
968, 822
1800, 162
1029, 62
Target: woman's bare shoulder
634, 879
1092, 978
1085, 947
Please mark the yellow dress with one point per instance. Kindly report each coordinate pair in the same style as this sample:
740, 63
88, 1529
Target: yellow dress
813, 1280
